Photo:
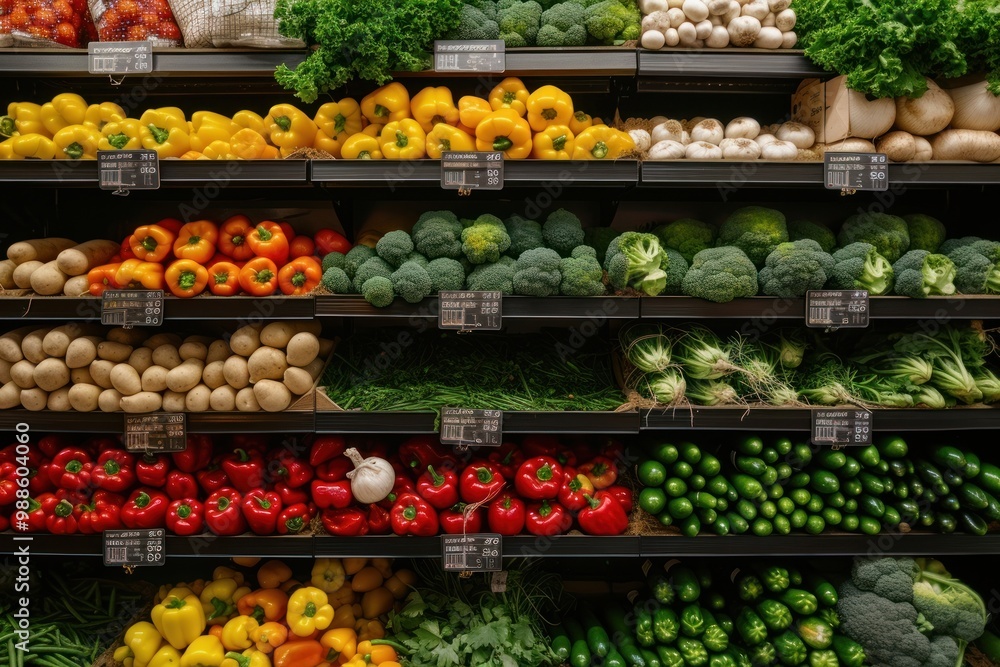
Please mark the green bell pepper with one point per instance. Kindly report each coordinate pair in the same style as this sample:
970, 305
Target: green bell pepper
715, 639
722, 660
665, 625
790, 649
741, 656
776, 616
800, 601
749, 586
685, 583
774, 578
751, 627
669, 656
644, 627
849, 652
763, 655
815, 632
830, 616
823, 659
694, 652
725, 622
660, 586
692, 621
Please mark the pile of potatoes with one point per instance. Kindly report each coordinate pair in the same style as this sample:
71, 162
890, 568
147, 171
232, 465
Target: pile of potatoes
87, 367
53, 266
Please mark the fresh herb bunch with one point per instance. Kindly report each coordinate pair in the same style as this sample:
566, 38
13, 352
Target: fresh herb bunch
366, 40
979, 39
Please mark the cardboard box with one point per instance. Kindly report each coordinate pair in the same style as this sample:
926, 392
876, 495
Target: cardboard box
825, 107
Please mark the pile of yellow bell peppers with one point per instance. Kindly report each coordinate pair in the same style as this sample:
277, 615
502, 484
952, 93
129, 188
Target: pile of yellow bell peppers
332, 620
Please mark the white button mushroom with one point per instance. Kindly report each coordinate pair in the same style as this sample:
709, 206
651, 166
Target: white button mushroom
703, 29
743, 30
788, 39
695, 10
785, 20
652, 39
769, 37
719, 39
757, 9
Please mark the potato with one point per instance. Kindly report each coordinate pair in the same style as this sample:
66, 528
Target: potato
59, 400
80, 376
82, 351
302, 349
45, 249
204, 340
112, 351
133, 337
246, 400
267, 363
277, 334
166, 355
236, 372
144, 401
77, 286
173, 401
31, 346
100, 370
186, 376
198, 399
154, 378
109, 401
5, 371
159, 339
272, 396
47, 279
126, 380
223, 399
22, 274
10, 396
213, 374
298, 381
51, 374
7, 274
23, 373
84, 397
57, 341
217, 351
10, 344
315, 368
80, 259
140, 359
193, 350
34, 399
245, 340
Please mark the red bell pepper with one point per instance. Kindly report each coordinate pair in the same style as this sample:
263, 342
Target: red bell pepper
403, 484
541, 445
181, 485
603, 515
212, 478
223, 514
284, 467
96, 444
438, 489
602, 472
245, 469
331, 494
50, 445
614, 449
32, 519
290, 496
196, 456
584, 449
454, 520
145, 508
420, 451
293, 519
114, 471
62, 520
506, 515
8, 483
507, 458
70, 469
256, 442
328, 240
347, 522
479, 481
335, 470
412, 515
261, 510
539, 478
185, 516
103, 512
623, 495
547, 519
32, 459
379, 521
574, 489
152, 469
326, 448
566, 457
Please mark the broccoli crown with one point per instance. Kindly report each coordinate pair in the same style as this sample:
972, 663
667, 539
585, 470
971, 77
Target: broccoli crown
920, 273
335, 280
355, 257
926, 233
950, 606
720, 275
487, 7
890, 578
887, 630
795, 267
418, 258
562, 232
485, 239
610, 21
676, 268
376, 266
524, 235
497, 277
954, 244
636, 260
395, 247
687, 236
411, 282
599, 238
818, 232
446, 274
888, 233
977, 267
582, 274
438, 236
755, 230
562, 25
536, 273
337, 259
518, 22
859, 266
474, 23
584, 251
377, 291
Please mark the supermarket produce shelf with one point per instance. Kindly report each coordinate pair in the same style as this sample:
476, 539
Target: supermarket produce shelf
521, 546
765, 308
514, 307
166, 62
729, 63
739, 418
287, 546
427, 172
892, 543
569, 422
67, 308
299, 421
205, 174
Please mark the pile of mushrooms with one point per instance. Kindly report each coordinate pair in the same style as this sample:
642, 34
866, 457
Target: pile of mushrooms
716, 24
742, 138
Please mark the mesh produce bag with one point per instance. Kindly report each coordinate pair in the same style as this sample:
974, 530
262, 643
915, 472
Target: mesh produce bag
135, 20
45, 23
230, 23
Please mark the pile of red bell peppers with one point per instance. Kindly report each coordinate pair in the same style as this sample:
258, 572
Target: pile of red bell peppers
231, 485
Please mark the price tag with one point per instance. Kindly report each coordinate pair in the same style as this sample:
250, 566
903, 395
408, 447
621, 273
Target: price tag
134, 547
841, 427
836, 309
467, 311
472, 171
481, 552
471, 55
132, 308
120, 57
471, 428
856, 171
156, 432
128, 170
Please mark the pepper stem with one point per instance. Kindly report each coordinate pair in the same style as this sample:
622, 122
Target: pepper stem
600, 150
74, 151
544, 473
594, 502
502, 144
142, 499
549, 114
111, 467
295, 524
284, 122
437, 479
186, 280
184, 511
299, 279
263, 502
484, 475
118, 140
559, 142
401, 139
409, 512
159, 134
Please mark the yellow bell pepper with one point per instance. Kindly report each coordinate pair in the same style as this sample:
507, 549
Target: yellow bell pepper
342, 644
580, 122
377, 654
289, 128
33, 146
384, 105
274, 572
205, 651
511, 93
248, 658
167, 656
335, 122
141, 643
600, 142
361, 146
448, 138
125, 134
99, 115
7, 150
25, 118
165, 130
76, 142
472, 109
343, 617
549, 105
196, 586
597, 122
356, 661
236, 634
432, 106
64, 109
245, 561
269, 636
504, 130
248, 144
308, 611
373, 129
206, 127
219, 600
342, 596
328, 574
223, 572
194, 155
220, 150
179, 620
369, 629
553, 143
403, 140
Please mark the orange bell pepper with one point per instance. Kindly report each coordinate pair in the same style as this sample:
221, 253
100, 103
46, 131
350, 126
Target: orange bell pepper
152, 243
288, 230
171, 224
299, 276
139, 274
264, 604
269, 636
233, 238
268, 239
223, 278
379, 653
186, 278
259, 277
247, 144
299, 654
102, 278
196, 241
301, 246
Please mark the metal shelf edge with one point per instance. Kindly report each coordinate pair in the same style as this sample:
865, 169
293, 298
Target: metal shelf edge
514, 307
897, 544
798, 419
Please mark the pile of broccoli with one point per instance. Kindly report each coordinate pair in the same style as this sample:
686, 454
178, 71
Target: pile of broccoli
549, 22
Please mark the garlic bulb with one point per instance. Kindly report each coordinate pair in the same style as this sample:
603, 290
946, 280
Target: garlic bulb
785, 20
732, 12
666, 150
676, 17
687, 33
788, 39
743, 127
743, 30
372, 478
740, 149
797, 133
768, 20
758, 9
926, 115
658, 21
671, 130
851, 145
976, 108
765, 139
702, 150
709, 130
656, 120
779, 150
924, 151
769, 37
641, 139
718, 7
975, 145
778, 5
869, 119
898, 146
650, 6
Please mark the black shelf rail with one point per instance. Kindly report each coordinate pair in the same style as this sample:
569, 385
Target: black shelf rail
596, 308
569, 422
235, 308
221, 173
896, 544
766, 418
166, 62
46, 421
427, 172
768, 308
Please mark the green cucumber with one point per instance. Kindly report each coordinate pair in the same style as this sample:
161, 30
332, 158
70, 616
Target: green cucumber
579, 655
869, 456
869, 525
750, 446
851, 468
737, 524
946, 522
892, 448
972, 497
849, 522
709, 466
972, 465
782, 526
949, 458
770, 455
989, 478
871, 484
561, 643
871, 506
597, 637
830, 459
675, 487
824, 481
690, 453
970, 522
783, 446
746, 486
750, 465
